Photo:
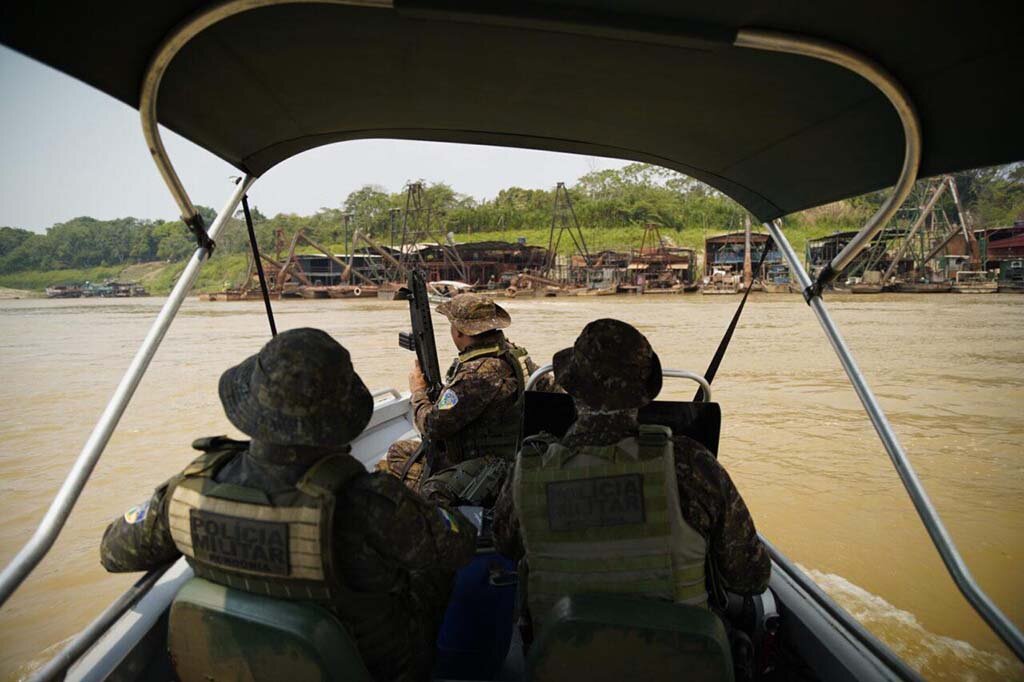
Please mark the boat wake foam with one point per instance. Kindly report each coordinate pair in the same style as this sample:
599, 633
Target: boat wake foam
935, 656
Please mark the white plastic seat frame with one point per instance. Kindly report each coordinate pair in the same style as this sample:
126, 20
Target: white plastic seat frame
673, 373
49, 528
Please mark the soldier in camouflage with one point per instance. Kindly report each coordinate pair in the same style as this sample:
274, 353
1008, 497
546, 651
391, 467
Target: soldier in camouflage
611, 372
386, 558
474, 424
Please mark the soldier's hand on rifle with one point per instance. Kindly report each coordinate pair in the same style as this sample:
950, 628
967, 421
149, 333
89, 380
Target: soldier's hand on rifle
417, 382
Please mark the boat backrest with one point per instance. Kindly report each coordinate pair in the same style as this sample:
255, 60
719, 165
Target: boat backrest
217, 633
600, 637
554, 412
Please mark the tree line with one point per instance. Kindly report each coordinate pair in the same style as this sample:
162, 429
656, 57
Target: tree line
633, 195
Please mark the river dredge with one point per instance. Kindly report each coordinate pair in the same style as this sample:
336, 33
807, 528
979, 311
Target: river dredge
108, 289
858, 127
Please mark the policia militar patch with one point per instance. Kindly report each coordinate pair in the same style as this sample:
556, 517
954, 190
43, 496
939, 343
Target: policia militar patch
595, 502
243, 544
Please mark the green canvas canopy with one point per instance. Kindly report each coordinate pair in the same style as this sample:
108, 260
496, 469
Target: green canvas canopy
651, 80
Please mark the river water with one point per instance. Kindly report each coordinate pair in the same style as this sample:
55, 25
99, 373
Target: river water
948, 369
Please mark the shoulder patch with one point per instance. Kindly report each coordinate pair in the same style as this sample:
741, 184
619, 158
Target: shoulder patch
448, 519
448, 400
137, 514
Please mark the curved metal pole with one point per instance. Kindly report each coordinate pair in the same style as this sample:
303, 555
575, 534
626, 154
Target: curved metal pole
170, 47
874, 73
46, 533
674, 373
940, 537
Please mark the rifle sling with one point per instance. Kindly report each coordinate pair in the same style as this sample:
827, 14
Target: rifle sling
415, 457
716, 361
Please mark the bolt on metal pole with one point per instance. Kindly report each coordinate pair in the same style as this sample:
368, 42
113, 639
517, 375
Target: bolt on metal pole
29, 556
940, 537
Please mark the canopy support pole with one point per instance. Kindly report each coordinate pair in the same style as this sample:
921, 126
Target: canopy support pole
259, 264
940, 537
874, 73
57, 515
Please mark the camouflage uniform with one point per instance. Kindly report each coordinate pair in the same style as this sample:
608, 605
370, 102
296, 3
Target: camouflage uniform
388, 545
611, 372
480, 394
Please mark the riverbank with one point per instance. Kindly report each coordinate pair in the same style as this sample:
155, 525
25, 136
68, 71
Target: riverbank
14, 294
225, 270
158, 277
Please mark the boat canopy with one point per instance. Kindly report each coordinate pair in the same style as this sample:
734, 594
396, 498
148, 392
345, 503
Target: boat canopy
658, 81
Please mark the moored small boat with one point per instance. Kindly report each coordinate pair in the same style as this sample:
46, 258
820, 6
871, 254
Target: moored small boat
721, 282
444, 290
720, 288
974, 282
62, 291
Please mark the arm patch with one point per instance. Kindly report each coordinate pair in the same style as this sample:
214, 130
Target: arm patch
448, 400
137, 514
449, 519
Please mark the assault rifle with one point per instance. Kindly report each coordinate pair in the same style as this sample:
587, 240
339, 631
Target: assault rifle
421, 338
421, 341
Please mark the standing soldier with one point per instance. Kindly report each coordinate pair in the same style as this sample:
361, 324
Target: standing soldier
386, 566
619, 505
474, 425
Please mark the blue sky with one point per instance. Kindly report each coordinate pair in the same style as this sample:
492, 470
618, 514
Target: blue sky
69, 150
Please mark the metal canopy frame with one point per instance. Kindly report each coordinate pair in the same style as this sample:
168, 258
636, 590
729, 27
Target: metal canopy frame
46, 533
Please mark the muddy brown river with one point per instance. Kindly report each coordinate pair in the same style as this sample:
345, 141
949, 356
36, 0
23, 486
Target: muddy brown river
948, 369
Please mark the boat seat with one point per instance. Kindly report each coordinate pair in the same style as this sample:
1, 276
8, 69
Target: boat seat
218, 633
554, 412
600, 637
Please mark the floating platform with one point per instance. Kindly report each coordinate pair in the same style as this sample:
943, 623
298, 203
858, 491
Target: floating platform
780, 288
344, 291
921, 287
861, 288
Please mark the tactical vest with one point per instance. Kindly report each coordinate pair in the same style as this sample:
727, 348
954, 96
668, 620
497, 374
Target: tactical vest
494, 435
242, 537
606, 519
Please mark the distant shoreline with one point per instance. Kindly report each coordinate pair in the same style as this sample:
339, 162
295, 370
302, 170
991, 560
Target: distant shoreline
7, 294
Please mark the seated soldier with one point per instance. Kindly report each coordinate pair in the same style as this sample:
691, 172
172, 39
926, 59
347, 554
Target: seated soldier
474, 425
385, 570
599, 510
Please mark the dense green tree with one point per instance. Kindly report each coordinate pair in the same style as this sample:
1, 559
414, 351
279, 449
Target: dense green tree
11, 238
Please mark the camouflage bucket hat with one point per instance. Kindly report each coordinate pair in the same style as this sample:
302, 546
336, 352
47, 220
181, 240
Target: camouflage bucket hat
610, 367
474, 314
300, 389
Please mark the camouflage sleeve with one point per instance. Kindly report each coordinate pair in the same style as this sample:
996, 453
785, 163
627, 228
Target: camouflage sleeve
507, 538
476, 386
415, 533
712, 505
140, 539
